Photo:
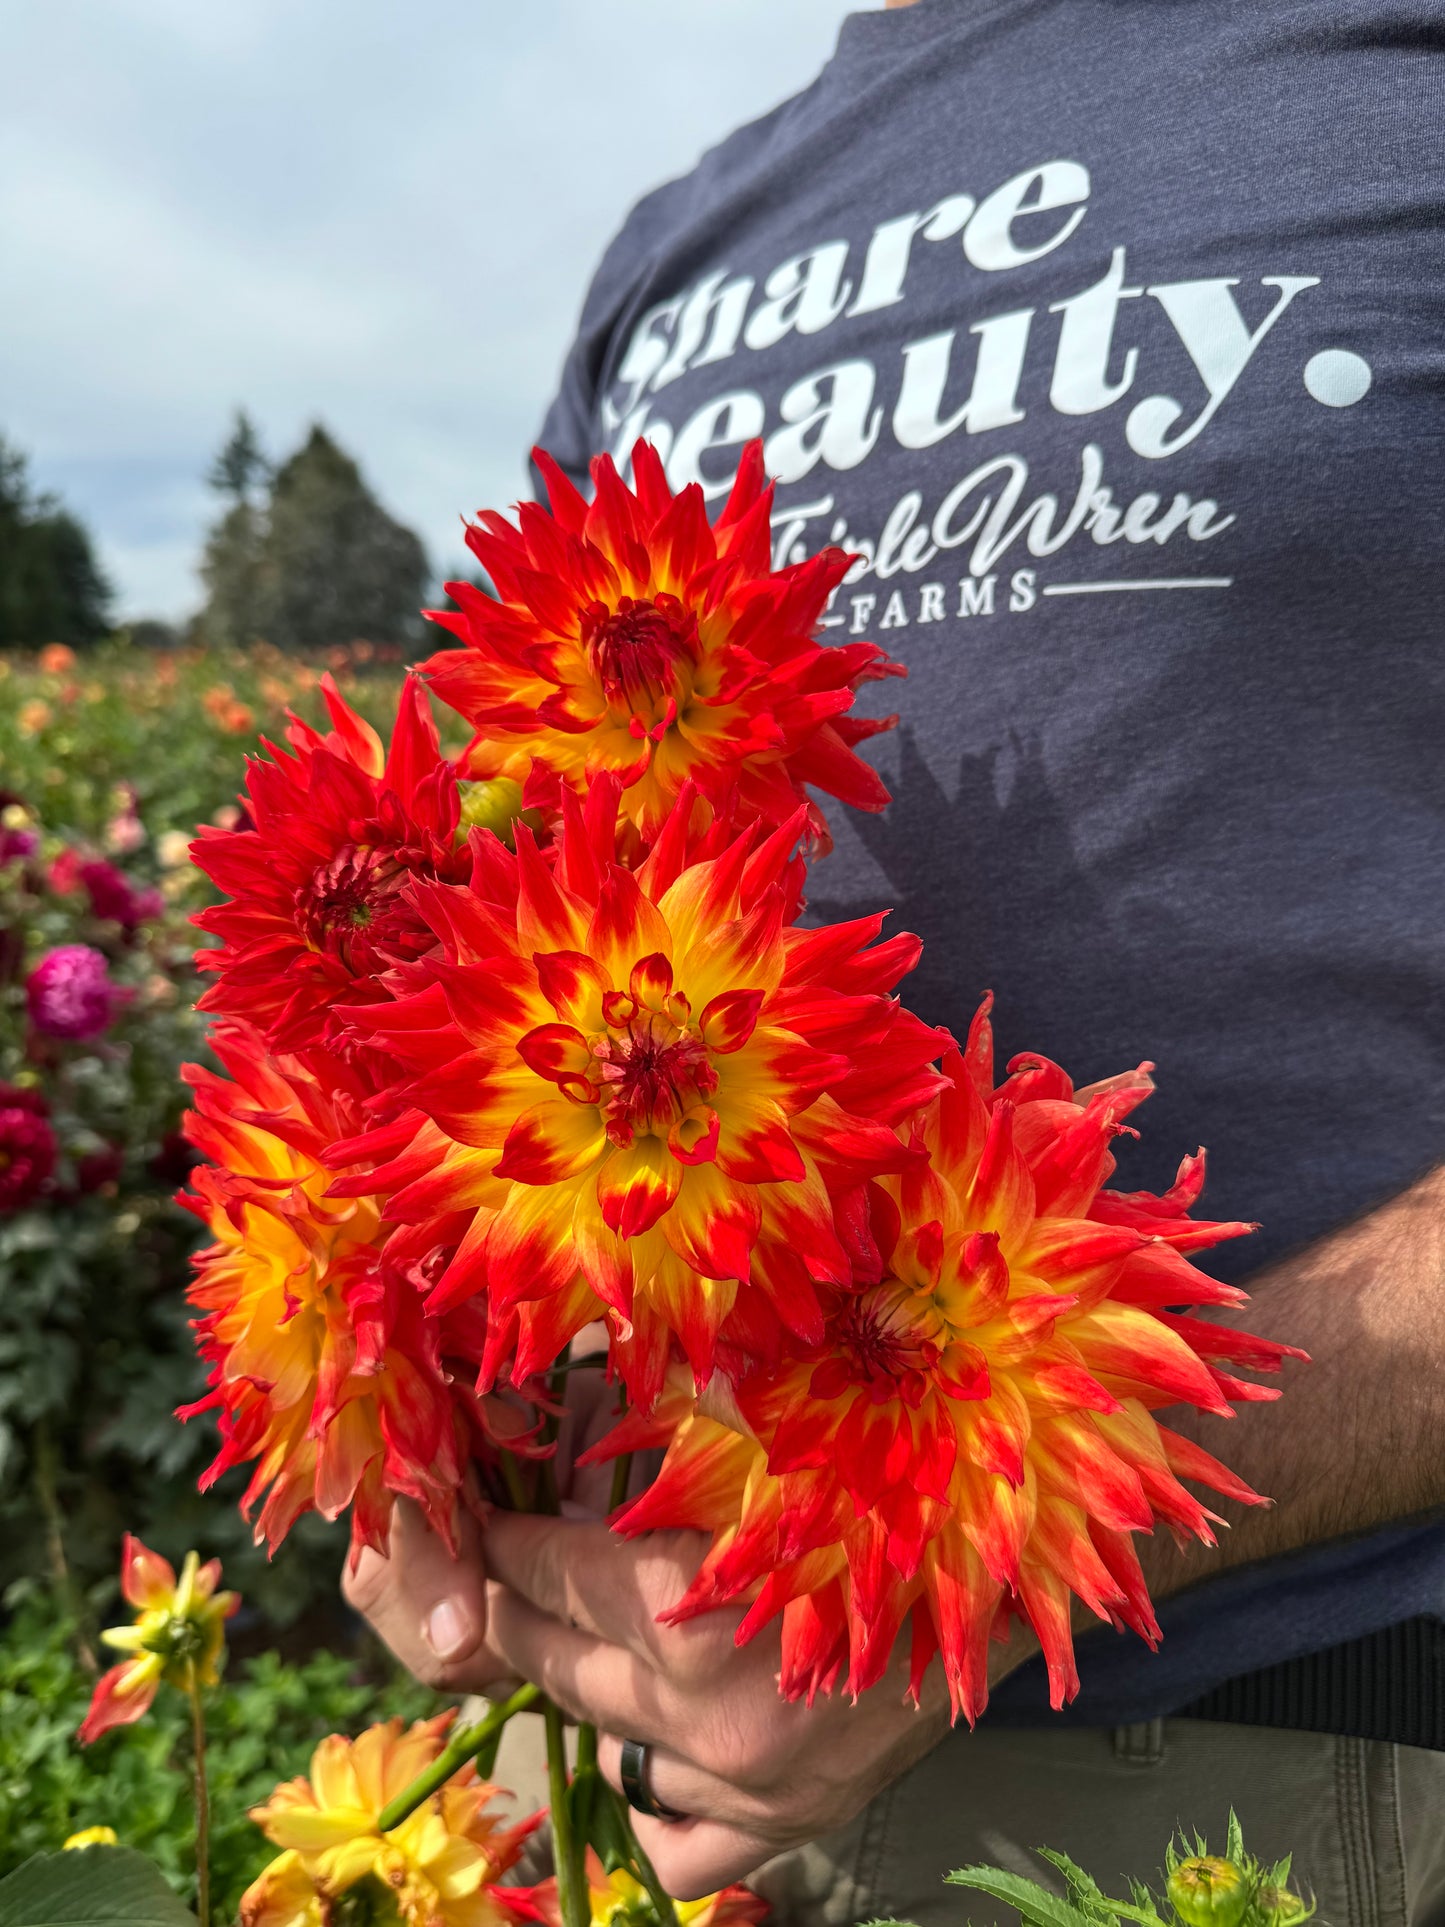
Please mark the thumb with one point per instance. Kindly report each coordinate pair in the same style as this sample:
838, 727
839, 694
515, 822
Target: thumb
428, 1607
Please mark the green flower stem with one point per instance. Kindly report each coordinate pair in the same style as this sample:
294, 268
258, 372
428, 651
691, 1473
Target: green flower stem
203, 1798
573, 1901
462, 1746
516, 1488
659, 1896
44, 1453
621, 1474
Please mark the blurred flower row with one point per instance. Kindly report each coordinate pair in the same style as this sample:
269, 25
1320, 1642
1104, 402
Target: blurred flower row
92, 952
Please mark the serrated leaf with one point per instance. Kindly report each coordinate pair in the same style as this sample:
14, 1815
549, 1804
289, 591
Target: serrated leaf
1081, 1885
1036, 1904
90, 1887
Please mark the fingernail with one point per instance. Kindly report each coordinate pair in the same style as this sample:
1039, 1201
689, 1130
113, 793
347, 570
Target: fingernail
448, 1630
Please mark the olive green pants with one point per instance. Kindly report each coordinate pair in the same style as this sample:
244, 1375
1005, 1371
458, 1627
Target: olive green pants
1364, 1821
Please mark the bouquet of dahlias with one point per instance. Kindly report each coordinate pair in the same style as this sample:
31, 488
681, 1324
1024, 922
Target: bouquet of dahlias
534, 1038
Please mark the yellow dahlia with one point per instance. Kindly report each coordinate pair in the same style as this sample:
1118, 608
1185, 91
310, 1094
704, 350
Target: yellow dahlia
642, 1088
974, 1436
630, 637
437, 1869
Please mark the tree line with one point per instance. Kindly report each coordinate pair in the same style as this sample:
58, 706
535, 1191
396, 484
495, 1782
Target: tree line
302, 555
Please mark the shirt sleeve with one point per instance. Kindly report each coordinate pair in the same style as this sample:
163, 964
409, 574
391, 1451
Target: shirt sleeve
572, 431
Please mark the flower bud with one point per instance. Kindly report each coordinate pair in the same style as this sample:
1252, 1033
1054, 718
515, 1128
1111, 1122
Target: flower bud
494, 803
1207, 1891
1278, 1907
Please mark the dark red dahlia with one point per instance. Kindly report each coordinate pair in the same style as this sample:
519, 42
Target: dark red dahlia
27, 1147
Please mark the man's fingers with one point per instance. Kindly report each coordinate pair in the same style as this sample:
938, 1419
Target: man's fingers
429, 1608
694, 1858
588, 1677
588, 1578
678, 1782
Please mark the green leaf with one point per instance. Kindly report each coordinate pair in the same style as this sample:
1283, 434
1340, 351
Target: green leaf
1234, 1842
91, 1885
1036, 1904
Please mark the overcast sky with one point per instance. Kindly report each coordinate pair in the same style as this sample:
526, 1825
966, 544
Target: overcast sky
379, 213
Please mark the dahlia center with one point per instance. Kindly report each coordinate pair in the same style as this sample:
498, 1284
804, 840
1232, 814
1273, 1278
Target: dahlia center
351, 905
884, 1341
654, 1079
636, 650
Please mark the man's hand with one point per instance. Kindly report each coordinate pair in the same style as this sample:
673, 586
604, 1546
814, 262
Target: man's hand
429, 1608
574, 1608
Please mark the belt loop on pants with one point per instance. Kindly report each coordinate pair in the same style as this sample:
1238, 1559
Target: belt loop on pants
1141, 1744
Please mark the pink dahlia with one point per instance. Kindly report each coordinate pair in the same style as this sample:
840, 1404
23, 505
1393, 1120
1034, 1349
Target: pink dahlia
17, 846
70, 993
27, 1147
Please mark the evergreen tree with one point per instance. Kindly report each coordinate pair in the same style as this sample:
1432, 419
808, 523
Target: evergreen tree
231, 562
241, 468
51, 586
319, 562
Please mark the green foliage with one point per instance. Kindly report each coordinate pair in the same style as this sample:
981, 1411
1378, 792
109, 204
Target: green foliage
110, 1886
51, 586
318, 562
1248, 1895
263, 1724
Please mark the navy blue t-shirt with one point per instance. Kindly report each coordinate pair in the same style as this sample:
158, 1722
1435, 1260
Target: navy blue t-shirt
1111, 333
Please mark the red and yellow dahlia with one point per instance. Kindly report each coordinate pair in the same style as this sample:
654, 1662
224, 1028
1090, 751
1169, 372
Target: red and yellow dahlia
631, 637
973, 1437
316, 877
178, 1635
436, 1869
324, 1372
642, 1087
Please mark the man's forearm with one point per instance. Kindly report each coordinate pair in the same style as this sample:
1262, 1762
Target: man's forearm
1359, 1436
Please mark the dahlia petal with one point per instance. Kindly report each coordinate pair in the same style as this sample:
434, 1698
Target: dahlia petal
625, 926
147, 1581
556, 1139
555, 1051
730, 1019
650, 981
527, 1250
121, 1697
637, 1186
694, 1138
714, 1223
1190, 1461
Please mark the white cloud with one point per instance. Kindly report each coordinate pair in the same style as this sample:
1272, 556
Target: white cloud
378, 213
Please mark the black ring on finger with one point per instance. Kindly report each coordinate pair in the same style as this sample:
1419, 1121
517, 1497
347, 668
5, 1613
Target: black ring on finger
637, 1784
